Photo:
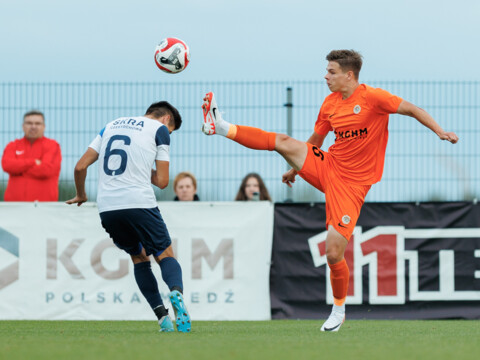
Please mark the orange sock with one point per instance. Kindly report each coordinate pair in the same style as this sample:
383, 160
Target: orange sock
253, 138
339, 276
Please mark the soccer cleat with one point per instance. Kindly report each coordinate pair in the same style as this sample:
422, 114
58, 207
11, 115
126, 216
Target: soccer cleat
334, 321
211, 115
182, 319
166, 324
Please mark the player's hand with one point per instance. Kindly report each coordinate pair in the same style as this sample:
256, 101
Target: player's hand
79, 200
449, 136
289, 177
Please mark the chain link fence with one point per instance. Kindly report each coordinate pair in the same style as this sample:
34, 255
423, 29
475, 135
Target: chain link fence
418, 166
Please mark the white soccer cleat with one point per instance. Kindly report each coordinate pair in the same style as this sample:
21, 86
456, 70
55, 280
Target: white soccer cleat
334, 321
211, 115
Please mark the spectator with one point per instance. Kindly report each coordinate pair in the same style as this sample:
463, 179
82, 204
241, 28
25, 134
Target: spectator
185, 187
33, 163
252, 188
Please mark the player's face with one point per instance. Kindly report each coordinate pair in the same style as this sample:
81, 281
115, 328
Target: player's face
251, 187
336, 78
185, 189
33, 127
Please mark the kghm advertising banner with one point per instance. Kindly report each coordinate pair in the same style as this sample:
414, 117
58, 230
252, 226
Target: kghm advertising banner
57, 262
406, 260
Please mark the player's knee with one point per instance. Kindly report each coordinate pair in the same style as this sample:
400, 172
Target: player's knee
139, 258
165, 254
334, 254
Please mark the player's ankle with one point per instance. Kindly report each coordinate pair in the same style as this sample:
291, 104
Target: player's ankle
339, 308
160, 311
177, 288
223, 127
232, 132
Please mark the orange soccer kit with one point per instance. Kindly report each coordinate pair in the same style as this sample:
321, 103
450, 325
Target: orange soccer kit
355, 161
352, 164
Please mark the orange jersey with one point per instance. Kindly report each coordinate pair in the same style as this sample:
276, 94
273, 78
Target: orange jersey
360, 124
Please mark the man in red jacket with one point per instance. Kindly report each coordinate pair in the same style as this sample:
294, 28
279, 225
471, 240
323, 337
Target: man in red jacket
33, 163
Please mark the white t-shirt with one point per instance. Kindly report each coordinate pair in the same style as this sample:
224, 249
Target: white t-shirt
128, 148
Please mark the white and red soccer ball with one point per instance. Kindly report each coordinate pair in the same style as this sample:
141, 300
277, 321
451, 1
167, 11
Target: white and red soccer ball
172, 55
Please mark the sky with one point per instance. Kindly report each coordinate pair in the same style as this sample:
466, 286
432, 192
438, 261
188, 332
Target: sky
106, 40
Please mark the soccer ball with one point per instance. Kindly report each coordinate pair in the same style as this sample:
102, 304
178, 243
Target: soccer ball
172, 55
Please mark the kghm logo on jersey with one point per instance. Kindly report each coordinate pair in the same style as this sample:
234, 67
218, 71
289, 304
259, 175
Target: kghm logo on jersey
357, 109
350, 134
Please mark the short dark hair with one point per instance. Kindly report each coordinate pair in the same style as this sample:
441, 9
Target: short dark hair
34, 112
348, 60
162, 108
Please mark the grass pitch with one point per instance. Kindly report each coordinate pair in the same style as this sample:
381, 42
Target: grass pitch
265, 340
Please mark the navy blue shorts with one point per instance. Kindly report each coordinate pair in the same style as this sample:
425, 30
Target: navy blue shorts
134, 229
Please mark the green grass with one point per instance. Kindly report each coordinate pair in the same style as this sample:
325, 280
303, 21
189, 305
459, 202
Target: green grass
265, 340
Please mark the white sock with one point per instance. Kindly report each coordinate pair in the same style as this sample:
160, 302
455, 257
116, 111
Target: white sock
339, 309
222, 126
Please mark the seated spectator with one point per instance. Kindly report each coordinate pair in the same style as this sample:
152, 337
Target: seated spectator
185, 187
252, 188
33, 163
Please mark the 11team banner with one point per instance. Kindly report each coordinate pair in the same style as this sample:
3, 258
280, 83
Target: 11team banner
406, 261
57, 262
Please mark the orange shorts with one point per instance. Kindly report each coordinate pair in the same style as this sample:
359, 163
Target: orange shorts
343, 200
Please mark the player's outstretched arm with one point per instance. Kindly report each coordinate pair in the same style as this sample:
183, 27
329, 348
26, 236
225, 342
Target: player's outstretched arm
427, 120
80, 174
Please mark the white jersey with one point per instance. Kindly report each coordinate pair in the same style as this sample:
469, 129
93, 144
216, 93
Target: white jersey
128, 148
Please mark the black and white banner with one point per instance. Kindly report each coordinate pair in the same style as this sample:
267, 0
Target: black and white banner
406, 261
